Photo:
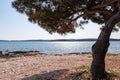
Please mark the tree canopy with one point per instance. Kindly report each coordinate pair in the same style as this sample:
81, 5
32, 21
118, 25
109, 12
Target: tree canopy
63, 16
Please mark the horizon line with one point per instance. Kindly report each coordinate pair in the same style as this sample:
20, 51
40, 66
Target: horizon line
58, 39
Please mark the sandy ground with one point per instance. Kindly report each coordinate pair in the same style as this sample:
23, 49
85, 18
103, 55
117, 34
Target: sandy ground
45, 67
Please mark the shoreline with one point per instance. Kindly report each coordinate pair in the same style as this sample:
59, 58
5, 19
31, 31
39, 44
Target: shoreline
30, 53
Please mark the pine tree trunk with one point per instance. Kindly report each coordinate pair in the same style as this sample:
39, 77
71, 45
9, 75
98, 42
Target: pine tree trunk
100, 48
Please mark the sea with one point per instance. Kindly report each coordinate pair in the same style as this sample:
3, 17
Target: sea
55, 47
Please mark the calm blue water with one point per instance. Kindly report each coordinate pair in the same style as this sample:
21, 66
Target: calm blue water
55, 47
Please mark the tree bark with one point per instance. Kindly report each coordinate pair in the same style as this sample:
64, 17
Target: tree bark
100, 48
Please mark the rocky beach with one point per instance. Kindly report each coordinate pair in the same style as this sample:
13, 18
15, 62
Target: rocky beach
36, 66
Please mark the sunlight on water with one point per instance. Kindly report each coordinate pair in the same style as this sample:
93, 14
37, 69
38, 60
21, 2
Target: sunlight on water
67, 44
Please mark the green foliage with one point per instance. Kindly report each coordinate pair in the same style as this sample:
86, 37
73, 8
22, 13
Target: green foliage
113, 73
84, 73
109, 54
118, 24
83, 67
63, 16
90, 56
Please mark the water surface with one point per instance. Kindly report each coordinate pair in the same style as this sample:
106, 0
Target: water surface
55, 47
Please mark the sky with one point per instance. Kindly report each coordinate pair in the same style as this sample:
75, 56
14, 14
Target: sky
15, 26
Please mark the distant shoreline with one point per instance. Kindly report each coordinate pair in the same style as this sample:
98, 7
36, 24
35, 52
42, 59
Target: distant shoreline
70, 40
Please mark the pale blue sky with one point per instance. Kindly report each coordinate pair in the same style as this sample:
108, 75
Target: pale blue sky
15, 26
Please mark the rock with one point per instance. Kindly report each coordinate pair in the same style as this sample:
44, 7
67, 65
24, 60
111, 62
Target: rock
85, 52
1, 53
19, 52
32, 51
5, 53
75, 53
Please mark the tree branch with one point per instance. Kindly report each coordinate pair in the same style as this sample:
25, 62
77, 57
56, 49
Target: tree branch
91, 12
104, 5
119, 4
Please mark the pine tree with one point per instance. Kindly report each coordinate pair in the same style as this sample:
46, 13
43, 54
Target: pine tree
64, 16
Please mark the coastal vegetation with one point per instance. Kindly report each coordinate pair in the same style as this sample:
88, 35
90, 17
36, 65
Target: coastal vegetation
64, 16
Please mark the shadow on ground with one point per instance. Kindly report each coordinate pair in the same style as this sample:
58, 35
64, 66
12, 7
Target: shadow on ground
47, 76
63, 74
